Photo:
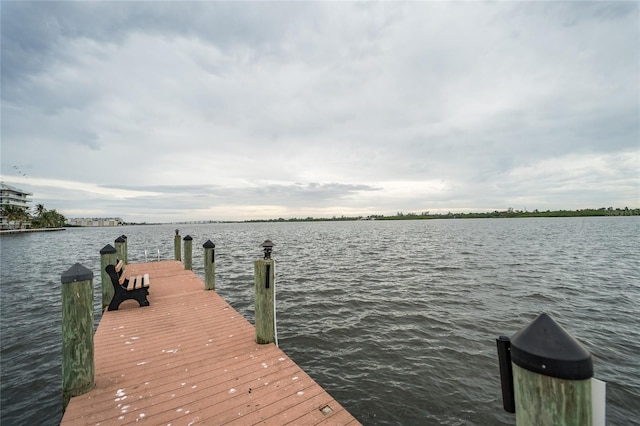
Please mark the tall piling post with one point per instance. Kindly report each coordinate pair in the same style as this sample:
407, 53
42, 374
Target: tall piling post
265, 307
209, 265
188, 253
107, 257
120, 244
126, 250
177, 246
552, 374
78, 364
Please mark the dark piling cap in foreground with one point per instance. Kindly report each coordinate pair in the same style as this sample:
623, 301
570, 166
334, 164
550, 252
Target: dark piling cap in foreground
544, 347
209, 244
120, 240
108, 249
76, 273
188, 238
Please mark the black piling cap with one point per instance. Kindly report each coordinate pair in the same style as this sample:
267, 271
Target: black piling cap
209, 244
76, 273
188, 238
268, 247
108, 249
544, 347
120, 240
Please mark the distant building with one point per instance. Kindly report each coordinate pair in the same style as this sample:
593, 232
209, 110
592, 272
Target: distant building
13, 197
83, 221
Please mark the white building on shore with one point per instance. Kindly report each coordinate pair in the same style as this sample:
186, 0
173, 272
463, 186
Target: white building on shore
83, 221
10, 196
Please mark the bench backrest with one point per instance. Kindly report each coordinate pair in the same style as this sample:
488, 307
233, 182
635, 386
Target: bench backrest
115, 279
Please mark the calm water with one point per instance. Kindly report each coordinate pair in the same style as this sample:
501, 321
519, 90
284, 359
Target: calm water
397, 320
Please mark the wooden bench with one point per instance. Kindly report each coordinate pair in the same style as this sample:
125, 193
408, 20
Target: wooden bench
132, 282
135, 287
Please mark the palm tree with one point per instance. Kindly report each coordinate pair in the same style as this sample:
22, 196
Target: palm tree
44, 218
15, 214
40, 209
53, 219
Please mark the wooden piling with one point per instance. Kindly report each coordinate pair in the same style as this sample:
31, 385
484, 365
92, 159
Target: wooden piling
107, 257
177, 248
120, 244
78, 365
188, 253
264, 278
545, 400
126, 249
209, 265
552, 375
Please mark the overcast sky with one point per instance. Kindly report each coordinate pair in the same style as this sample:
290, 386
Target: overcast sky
159, 111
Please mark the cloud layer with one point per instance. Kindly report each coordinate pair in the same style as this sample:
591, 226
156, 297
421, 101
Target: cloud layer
216, 110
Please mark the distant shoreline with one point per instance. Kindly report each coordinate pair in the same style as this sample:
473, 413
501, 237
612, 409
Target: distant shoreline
510, 213
24, 231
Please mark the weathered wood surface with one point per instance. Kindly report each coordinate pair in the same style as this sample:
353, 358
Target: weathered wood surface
108, 256
78, 366
188, 252
121, 249
177, 247
209, 266
264, 276
191, 358
543, 400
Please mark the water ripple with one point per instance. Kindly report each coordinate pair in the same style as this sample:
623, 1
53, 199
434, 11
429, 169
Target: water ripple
397, 320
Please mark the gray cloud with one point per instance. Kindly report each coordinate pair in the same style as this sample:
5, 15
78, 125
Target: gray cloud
322, 107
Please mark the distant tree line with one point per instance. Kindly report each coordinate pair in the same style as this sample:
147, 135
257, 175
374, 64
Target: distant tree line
510, 212
41, 217
308, 219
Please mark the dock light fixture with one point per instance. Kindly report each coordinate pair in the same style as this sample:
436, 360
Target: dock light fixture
268, 247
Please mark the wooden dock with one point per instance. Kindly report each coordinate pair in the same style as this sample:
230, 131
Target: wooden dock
191, 358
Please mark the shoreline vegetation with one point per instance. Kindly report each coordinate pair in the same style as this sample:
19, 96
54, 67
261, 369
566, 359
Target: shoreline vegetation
509, 213
44, 219
40, 219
